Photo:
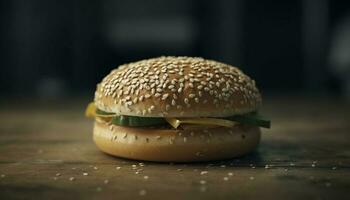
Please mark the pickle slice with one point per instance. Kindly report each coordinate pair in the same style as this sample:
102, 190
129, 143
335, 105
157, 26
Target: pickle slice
124, 120
252, 119
92, 111
103, 113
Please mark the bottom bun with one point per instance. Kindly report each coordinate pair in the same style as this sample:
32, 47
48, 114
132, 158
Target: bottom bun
170, 145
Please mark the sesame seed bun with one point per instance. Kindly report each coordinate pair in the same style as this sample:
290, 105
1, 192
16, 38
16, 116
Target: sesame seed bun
177, 87
171, 145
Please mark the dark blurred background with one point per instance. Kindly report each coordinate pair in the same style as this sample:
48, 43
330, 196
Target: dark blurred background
58, 49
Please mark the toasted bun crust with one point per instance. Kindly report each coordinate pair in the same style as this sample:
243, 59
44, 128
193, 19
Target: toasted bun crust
169, 145
177, 87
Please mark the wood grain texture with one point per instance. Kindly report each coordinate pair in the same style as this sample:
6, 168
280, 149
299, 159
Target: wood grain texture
306, 155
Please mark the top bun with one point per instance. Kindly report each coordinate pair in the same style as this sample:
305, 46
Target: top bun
177, 87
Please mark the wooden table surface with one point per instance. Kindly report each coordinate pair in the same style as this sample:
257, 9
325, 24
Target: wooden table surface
47, 152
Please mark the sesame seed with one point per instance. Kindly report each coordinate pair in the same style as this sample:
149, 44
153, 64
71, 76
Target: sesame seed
191, 96
167, 107
58, 174
165, 96
71, 178
186, 101
225, 178
204, 172
85, 174
202, 182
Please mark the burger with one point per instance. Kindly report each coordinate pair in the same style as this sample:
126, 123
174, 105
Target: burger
176, 109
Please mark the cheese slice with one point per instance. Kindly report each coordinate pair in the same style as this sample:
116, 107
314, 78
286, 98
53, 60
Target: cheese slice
176, 122
91, 112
